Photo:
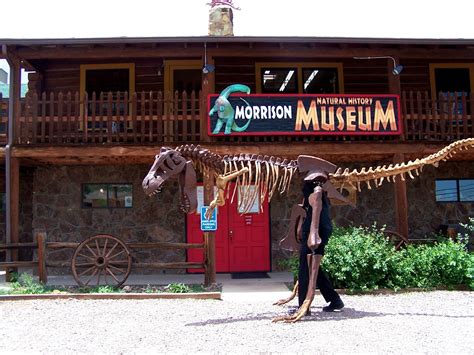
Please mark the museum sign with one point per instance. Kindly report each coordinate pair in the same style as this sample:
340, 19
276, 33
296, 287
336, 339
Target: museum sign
338, 114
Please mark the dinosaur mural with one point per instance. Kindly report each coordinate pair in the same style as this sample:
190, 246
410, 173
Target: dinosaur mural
271, 175
225, 111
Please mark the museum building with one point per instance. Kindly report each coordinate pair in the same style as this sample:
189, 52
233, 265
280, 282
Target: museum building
77, 147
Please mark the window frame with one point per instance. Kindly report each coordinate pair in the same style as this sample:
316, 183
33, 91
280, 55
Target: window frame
107, 198
434, 66
458, 191
299, 66
82, 85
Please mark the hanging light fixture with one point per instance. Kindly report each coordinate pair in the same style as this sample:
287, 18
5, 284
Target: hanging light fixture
208, 68
397, 69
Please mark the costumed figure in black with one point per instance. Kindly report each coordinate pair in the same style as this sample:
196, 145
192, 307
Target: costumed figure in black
310, 229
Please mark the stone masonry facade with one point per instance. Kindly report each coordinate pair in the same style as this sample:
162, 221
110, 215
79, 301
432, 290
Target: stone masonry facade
51, 202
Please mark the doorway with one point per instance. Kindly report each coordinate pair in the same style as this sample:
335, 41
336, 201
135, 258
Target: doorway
181, 76
242, 240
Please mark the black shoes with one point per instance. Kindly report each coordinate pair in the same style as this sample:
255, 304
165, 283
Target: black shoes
334, 306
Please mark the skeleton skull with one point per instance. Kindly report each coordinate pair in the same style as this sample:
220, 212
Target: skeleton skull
170, 163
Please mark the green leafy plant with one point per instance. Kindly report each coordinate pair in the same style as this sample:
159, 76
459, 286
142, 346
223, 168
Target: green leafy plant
360, 258
26, 284
102, 289
363, 258
177, 288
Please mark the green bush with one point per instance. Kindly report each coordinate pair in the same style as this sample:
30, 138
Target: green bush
25, 284
361, 258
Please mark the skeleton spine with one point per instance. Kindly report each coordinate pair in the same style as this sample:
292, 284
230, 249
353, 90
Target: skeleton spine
379, 174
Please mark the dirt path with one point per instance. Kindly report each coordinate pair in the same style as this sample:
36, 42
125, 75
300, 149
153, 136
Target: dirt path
414, 322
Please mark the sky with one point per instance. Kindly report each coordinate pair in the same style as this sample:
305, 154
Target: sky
148, 18
169, 18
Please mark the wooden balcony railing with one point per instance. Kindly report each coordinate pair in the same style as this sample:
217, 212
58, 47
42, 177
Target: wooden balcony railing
156, 117
109, 118
445, 118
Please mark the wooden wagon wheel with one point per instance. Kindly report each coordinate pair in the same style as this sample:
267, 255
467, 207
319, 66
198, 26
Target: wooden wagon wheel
101, 258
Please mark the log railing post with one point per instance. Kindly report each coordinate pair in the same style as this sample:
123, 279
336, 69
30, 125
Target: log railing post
209, 237
41, 241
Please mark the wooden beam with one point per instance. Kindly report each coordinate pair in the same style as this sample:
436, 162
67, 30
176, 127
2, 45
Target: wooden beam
78, 154
237, 50
394, 86
42, 273
209, 237
14, 204
401, 201
108, 53
207, 85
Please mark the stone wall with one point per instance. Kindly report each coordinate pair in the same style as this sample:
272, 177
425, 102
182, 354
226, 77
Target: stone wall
57, 210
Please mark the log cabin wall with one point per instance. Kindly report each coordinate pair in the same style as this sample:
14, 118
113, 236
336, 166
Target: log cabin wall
360, 76
416, 72
64, 76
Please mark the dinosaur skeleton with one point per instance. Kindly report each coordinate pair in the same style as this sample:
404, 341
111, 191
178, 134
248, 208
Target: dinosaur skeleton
260, 177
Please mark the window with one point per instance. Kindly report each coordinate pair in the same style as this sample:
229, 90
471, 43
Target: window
107, 195
294, 78
449, 81
455, 190
279, 80
105, 78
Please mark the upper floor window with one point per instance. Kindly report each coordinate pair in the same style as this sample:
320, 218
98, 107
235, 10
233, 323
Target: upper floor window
299, 78
105, 78
455, 190
449, 81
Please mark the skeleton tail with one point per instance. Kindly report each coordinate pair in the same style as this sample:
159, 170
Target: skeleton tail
381, 173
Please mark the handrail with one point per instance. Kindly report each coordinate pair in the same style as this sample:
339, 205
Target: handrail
40, 245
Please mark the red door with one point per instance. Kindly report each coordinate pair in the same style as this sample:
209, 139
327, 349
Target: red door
242, 241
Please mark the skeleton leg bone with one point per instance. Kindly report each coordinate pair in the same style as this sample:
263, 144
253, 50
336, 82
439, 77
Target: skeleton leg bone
291, 297
313, 262
221, 183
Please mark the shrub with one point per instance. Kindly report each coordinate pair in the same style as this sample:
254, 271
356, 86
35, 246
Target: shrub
361, 258
25, 284
446, 263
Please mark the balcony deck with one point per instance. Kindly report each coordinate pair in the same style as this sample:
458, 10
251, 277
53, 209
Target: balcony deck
155, 118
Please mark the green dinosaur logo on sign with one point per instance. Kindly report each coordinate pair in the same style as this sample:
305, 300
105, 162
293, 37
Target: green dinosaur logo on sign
225, 111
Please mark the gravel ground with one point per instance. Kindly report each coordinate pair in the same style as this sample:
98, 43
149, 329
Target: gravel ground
431, 322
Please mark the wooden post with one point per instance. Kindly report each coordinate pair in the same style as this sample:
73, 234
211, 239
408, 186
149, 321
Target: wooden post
207, 88
401, 202
209, 237
41, 241
11, 164
394, 87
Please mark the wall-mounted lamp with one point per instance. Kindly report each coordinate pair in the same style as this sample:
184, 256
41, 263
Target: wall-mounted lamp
397, 69
160, 69
208, 68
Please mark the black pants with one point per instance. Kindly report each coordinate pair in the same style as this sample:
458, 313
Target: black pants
322, 281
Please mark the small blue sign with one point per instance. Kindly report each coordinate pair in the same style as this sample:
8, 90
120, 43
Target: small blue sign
208, 225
